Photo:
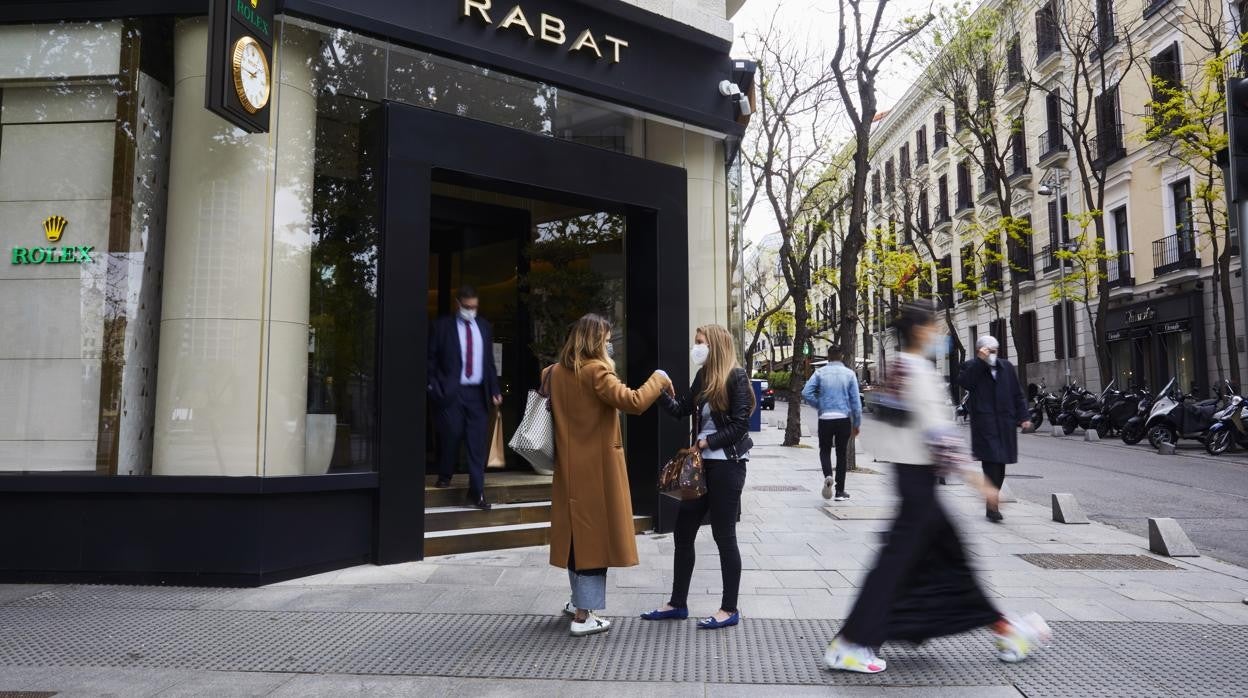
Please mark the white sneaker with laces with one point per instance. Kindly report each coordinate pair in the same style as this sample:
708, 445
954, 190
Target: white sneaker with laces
569, 609
846, 656
828, 484
592, 625
1024, 636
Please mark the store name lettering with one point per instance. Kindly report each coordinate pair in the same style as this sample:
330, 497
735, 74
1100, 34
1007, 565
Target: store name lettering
1143, 315
74, 254
548, 28
247, 10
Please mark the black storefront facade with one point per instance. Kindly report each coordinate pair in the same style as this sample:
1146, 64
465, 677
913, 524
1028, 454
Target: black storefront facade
1157, 340
234, 395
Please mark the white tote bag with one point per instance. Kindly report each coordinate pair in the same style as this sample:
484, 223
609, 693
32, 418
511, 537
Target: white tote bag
535, 437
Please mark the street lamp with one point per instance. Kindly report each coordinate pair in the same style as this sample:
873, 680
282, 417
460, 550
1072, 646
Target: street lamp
1051, 185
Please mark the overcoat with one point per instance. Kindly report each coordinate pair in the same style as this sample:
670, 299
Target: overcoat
591, 505
997, 407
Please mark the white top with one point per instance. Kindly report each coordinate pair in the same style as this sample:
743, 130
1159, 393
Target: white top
833, 414
924, 393
708, 428
478, 351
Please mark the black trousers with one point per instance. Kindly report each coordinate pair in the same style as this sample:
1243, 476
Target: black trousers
995, 472
724, 481
465, 421
834, 434
921, 586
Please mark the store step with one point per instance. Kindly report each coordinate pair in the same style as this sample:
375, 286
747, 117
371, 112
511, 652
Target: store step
520, 535
462, 517
498, 490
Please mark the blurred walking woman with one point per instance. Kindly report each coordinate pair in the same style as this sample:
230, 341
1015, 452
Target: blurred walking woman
591, 510
720, 402
921, 586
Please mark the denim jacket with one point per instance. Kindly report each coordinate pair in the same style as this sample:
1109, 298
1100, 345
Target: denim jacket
834, 388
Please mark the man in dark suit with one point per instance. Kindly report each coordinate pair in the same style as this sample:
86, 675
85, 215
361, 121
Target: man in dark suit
463, 382
997, 407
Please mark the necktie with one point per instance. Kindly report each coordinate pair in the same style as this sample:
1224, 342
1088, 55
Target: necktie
468, 358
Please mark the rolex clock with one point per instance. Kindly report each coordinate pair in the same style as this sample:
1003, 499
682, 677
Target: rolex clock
252, 79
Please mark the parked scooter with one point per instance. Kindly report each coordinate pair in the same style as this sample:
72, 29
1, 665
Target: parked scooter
1042, 402
1074, 399
1133, 430
1187, 419
1229, 426
1117, 409
1089, 408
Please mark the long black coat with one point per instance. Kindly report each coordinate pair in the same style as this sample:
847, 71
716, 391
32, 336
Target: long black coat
997, 407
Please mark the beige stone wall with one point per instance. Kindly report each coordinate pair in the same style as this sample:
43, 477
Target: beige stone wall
706, 15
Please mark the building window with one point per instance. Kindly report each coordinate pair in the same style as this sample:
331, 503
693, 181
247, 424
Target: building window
923, 220
942, 204
1065, 344
1105, 33
876, 198
944, 281
1018, 254
992, 265
960, 113
985, 91
966, 257
1048, 40
940, 134
1119, 267
890, 177
903, 159
1018, 147
1167, 77
920, 146
964, 186
997, 330
1181, 195
1014, 62
1108, 146
1028, 338
1052, 141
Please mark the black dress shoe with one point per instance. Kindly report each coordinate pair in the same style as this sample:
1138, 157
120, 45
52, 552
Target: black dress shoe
443, 482
994, 516
481, 504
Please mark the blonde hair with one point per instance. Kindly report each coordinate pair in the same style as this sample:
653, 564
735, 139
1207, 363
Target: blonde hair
587, 342
721, 361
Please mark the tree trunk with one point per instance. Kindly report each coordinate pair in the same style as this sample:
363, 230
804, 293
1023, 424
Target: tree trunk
1217, 312
797, 380
1228, 302
1099, 334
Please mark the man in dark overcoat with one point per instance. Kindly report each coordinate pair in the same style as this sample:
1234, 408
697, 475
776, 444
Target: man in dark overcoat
996, 407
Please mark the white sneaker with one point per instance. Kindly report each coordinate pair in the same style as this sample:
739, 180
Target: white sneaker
1024, 636
828, 484
841, 496
592, 625
569, 609
846, 656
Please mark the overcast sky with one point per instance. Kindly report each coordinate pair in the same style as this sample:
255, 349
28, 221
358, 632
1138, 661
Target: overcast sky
817, 20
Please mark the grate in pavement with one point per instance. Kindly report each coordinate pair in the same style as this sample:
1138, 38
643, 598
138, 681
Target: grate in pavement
1025, 477
1095, 561
777, 488
26, 694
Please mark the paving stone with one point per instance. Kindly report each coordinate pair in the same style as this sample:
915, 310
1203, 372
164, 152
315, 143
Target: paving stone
222, 684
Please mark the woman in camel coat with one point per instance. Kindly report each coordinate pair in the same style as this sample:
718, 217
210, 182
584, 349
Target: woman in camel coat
591, 511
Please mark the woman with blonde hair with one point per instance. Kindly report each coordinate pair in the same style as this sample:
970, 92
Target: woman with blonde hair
720, 401
591, 510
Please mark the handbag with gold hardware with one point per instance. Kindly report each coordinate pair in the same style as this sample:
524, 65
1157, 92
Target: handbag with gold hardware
683, 476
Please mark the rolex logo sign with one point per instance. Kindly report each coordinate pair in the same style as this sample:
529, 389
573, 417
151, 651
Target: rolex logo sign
53, 226
254, 3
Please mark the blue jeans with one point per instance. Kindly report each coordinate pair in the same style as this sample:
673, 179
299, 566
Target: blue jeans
589, 591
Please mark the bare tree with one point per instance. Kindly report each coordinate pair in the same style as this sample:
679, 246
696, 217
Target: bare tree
763, 298
864, 44
789, 157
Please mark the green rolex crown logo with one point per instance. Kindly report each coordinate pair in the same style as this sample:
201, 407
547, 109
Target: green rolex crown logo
53, 228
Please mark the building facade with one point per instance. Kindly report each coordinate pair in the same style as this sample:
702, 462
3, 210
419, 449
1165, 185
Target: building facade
216, 357
934, 191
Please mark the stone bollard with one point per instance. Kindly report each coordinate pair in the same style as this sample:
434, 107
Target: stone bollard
1166, 449
1067, 510
1057, 430
1091, 435
1166, 537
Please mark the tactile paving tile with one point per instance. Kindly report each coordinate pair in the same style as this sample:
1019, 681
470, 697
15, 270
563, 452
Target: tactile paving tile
777, 488
1096, 561
1131, 659
103, 596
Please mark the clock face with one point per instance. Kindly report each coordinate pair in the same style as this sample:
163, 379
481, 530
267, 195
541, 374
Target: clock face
251, 74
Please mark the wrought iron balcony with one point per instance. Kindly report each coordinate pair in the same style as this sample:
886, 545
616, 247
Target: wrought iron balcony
1118, 272
942, 214
1048, 40
1175, 252
1047, 260
1107, 147
1052, 142
1154, 7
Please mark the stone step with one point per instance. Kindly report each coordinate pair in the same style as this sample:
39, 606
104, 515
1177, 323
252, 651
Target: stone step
499, 489
464, 517
520, 535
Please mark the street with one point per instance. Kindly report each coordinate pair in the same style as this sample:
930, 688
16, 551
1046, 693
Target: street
1124, 485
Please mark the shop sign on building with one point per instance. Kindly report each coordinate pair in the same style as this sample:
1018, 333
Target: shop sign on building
548, 28
53, 229
240, 62
1141, 315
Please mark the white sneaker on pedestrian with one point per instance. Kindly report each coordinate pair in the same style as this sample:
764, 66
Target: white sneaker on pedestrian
1022, 638
592, 625
841, 496
569, 609
846, 656
828, 484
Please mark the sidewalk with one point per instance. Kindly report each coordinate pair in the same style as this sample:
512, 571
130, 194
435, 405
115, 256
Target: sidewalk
488, 623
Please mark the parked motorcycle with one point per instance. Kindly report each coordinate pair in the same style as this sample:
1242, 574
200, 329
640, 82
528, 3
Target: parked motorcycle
1074, 399
1228, 427
1117, 409
1042, 402
1189, 418
1133, 430
1089, 408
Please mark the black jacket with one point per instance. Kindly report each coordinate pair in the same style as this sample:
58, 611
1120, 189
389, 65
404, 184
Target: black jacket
997, 407
732, 427
446, 362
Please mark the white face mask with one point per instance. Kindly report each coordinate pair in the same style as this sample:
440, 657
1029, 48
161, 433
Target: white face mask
992, 359
467, 314
698, 354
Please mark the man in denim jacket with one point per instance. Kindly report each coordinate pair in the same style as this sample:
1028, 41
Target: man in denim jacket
833, 390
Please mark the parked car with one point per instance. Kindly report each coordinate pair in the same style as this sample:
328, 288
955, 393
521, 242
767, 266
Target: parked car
769, 397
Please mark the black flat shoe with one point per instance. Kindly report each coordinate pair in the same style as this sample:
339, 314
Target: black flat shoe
994, 516
442, 483
481, 504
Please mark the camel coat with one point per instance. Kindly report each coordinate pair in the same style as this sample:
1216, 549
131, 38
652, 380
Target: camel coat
591, 505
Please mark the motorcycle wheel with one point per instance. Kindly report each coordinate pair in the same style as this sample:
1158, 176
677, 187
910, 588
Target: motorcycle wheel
1218, 442
1133, 434
1068, 426
1162, 433
1037, 417
1103, 431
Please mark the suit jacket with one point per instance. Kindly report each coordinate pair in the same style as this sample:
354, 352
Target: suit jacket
446, 363
997, 407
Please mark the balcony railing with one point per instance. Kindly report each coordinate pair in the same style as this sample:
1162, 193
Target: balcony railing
1118, 272
940, 142
1052, 142
1018, 165
1175, 252
964, 201
1021, 266
1047, 260
986, 187
1048, 41
1154, 7
942, 214
1108, 147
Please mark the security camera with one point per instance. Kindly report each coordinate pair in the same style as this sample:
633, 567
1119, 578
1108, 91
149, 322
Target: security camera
729, 88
